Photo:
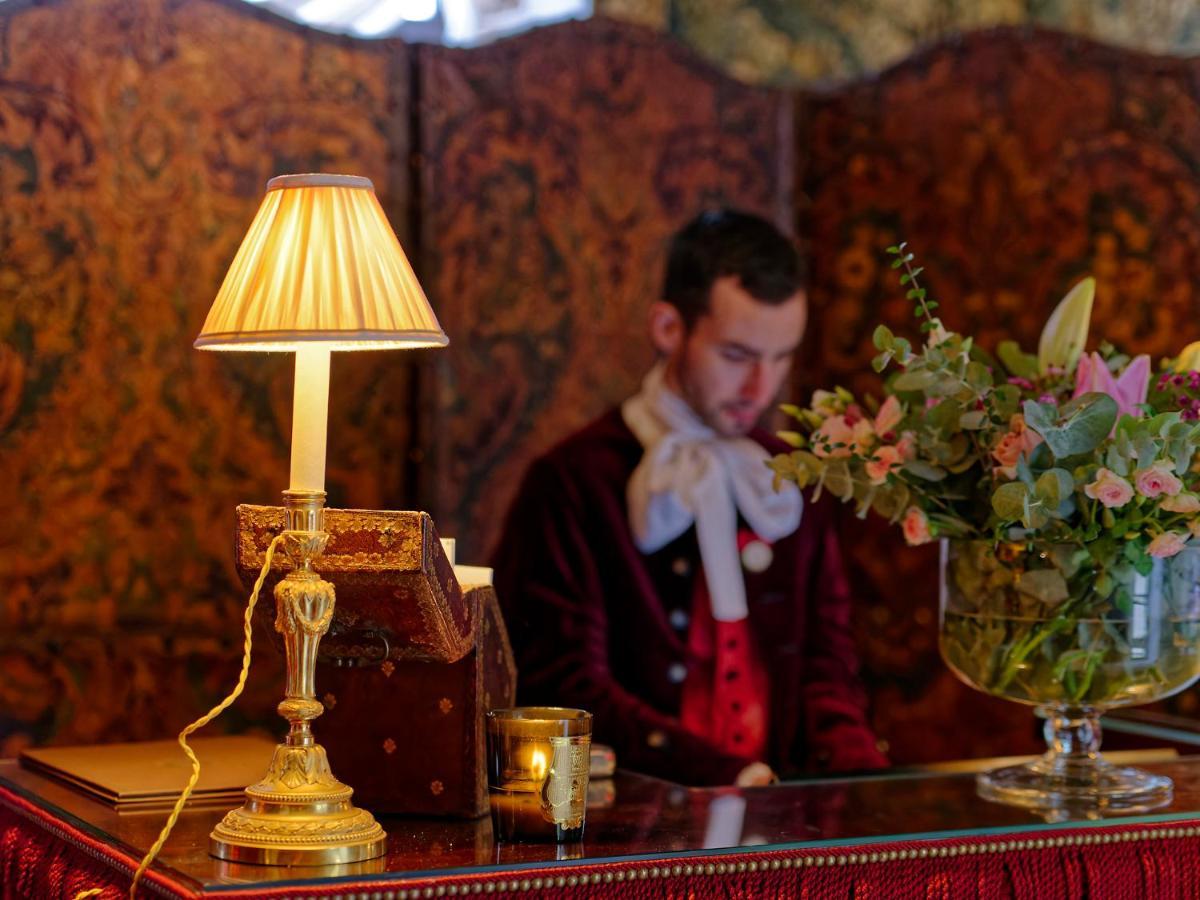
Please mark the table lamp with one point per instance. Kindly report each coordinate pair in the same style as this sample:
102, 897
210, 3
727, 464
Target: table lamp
319, 270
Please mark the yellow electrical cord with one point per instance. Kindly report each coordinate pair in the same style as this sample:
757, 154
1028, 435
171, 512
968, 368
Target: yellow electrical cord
200, 723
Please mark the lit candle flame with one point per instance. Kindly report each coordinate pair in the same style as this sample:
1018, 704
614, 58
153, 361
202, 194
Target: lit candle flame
539, 764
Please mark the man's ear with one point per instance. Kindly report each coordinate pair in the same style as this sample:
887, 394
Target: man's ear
667, 330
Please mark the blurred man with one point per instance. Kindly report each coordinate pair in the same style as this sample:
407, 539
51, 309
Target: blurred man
651, 574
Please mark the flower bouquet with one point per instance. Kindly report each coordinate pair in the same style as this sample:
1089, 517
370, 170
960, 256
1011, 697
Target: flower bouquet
1065, 487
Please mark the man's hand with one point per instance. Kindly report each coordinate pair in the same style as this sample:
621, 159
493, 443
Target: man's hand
757, 774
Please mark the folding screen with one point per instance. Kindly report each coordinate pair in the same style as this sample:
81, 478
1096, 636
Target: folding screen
135, 141
555, 165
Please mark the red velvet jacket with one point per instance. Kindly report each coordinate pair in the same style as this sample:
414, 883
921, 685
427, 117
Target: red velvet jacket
597, 624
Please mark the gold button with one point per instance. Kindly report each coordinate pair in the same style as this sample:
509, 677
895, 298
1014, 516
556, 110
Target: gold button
657, 739
681, 567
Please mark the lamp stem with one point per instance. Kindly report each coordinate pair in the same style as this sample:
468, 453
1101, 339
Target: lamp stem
310, 415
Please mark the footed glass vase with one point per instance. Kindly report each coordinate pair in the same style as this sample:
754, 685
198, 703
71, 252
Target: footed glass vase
1045, 626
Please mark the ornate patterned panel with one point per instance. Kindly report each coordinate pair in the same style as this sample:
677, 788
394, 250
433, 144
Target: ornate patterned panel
556, 166
136, 137
798, 42
1014, 162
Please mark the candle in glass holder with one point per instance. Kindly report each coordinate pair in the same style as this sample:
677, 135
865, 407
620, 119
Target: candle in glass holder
538, 772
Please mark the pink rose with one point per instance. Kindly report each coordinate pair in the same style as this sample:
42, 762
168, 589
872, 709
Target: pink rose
883, 461
1158, 479
1110, 489
915, 527
1019, 440
888, 417
1167, 544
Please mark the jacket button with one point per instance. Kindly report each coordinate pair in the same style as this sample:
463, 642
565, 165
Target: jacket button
757, 556
681, 566
678, 619
676, 673
657, 739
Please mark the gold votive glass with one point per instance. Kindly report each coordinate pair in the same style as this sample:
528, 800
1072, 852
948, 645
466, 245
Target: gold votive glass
538, 772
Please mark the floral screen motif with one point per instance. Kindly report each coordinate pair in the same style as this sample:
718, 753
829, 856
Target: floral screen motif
558, 164
135, 142
1014, 163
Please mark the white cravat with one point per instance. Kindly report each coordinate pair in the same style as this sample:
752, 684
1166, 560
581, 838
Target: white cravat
692, 475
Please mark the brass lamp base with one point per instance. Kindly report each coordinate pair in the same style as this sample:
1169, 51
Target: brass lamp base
298, 815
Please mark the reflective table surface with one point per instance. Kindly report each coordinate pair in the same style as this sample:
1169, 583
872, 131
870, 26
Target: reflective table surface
629, 817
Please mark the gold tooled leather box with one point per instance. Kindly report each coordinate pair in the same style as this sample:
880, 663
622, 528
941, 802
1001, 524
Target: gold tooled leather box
412, 661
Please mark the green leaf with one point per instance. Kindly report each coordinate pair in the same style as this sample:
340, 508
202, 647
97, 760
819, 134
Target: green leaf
1045, 585
1005, 399
1146, 449
1053, 487
924, 470
837, 479
1182, 455
1034, 515
1160, 424
914, 380
891, 501
1083, 424
881, 360
1017, 361
883, 337
945, 416
1025, 471
1008, 501
978, 376
972, 421
1115, 460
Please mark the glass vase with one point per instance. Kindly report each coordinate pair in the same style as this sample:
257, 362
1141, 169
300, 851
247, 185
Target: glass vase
1042, 625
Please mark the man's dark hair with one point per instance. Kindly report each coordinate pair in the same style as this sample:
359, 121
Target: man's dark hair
725, 242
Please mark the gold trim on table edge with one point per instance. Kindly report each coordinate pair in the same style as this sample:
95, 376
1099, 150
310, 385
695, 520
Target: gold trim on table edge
689, 870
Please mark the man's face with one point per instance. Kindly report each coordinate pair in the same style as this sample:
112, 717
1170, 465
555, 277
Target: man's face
732, 363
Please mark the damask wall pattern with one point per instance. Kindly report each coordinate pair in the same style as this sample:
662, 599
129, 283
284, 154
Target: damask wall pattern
1014, 163
136, 139
556, 165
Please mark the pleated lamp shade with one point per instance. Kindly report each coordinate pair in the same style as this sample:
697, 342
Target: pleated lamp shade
320, 267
